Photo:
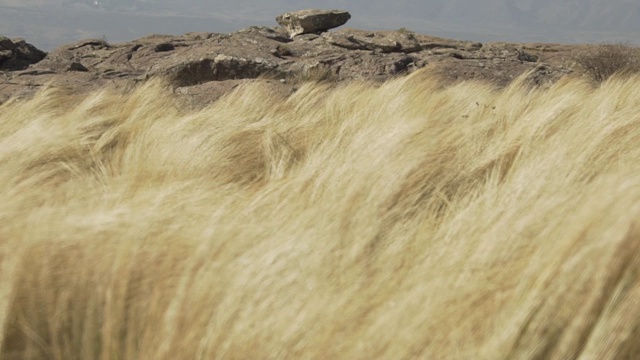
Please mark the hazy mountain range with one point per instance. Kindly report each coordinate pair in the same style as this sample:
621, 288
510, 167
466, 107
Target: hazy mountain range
49, 23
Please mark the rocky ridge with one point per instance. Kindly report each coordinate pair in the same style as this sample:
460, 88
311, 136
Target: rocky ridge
203, 66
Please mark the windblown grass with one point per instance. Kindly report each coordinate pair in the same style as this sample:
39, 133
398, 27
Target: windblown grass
407, 221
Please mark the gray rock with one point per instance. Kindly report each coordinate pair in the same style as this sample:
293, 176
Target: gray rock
5, 54
76, 66
400, 66
382, 45
28, 52
343, 41
277, 34
526, 57
307, 37
6, 43
281, 51
18, 55
220, 68
164, 47
312, 21
408, 42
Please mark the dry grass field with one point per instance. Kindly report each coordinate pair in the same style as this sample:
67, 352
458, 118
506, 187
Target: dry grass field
404, 221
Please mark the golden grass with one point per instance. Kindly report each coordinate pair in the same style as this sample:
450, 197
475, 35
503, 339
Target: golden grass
405, 221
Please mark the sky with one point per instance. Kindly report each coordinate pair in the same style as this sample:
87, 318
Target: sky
51, 23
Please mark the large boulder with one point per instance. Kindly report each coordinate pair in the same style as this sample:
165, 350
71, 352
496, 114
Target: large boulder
312, 21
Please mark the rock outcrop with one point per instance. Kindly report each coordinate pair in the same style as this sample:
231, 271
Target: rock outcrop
312, 21
18, 54
203, 66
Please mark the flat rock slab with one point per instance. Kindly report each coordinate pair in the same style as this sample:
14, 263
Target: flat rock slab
312, 21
